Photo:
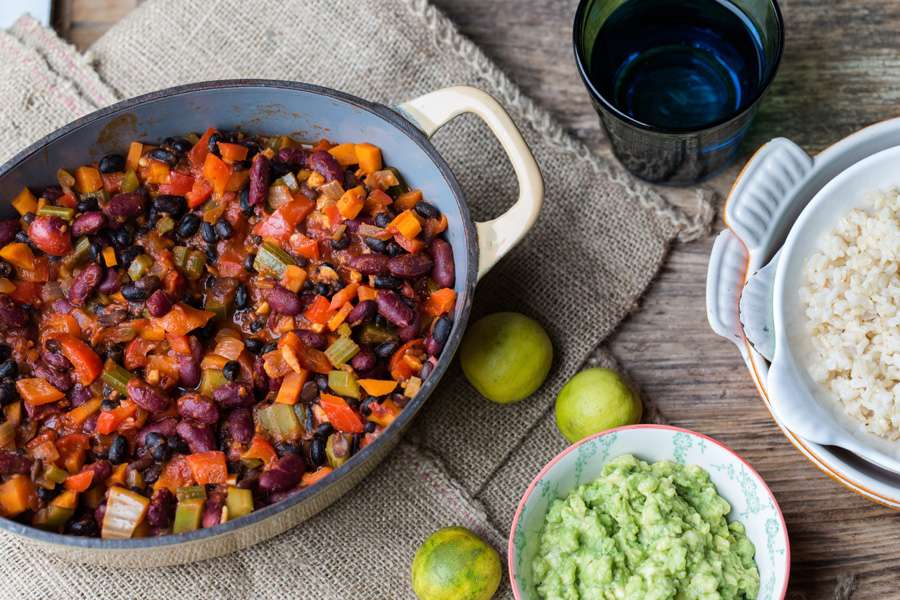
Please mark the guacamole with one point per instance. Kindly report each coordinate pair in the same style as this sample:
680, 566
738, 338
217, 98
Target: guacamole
644, 532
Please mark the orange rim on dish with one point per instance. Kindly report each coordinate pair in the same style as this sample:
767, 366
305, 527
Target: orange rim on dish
510, 548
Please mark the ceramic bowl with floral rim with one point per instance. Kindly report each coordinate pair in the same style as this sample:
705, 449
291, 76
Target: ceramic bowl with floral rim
752, 503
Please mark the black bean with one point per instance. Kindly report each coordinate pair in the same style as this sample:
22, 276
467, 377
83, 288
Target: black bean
253, 345
133, 293
87, 205
6, 269
324, 430
212, 144
29, 218
387, 349
8, 368
283, 448
354, 443
223, 229
317, 451
231, 370
122, 237
8, 393
176, 444
109, 404
46, 495
6, 351
112, 163
341, 244
248, 263
309, 392
163, 156
382, 219
322, 382
386, 282
208, 233
173, 205
156, 444
370, 427
376, 245
394, 249
240, 165
257, 325
180, 145
127, 255
427, 211
84, 526
188, 225
118, 450
245, 202
211, 254
441, 330
241, 298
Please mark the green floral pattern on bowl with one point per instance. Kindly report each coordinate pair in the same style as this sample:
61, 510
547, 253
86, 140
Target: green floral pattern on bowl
751, 501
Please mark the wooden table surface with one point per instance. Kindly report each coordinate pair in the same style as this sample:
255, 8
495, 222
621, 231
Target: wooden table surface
840, 72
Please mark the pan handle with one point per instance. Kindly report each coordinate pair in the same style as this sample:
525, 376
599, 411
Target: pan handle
497, 236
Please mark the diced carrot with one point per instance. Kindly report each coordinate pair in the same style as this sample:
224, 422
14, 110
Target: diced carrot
37, 390
261, 449
407, 224
366, 293
17, 495
216, 172
25, 202
304, 246
183, 319
352, 202
344, 296
398, 367
109, 420
157, 172
293, 278
109, 256
369, 158
73, 449
314, 477
79, 482
237, 180
87, 180
176, 474
319, 310
345, 154
378, 387
339, 317
19, 255
76, 417
377, 202
232, 152
440, 302
208, 467
200, 192
197, 154
85, 361
119, 472
384, 413
59, 323
179, 343
289, 392
340, 415
134, 155
408, 200
229, 347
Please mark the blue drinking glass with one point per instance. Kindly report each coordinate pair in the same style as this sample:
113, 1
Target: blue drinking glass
677, 82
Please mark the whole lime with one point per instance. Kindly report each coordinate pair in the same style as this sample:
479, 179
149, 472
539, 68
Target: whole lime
506, 356
595, 400
455, 564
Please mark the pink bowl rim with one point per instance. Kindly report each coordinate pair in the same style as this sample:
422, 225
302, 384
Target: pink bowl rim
510, 548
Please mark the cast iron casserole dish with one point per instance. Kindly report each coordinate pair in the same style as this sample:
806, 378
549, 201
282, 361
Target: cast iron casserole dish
307, 112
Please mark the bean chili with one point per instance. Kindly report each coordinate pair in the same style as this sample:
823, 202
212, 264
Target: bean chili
198, 328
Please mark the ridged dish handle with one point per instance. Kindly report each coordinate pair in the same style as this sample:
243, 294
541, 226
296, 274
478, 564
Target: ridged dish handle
497, 236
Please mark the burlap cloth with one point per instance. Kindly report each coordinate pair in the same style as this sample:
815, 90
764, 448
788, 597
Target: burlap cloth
597, 245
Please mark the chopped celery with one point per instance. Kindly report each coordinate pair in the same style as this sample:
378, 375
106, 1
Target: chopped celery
210, 381
344, 383
344, 330
165, 225
55, 474
81, 251
130, 182
280, 421
63, 212
272, 260
191, 492
179, 253
373, 334
52, 518
7, 434
290, 181
139, 266
124, 512
116, 377
342, 350
337, 450
188, 514
239, 502
195, 264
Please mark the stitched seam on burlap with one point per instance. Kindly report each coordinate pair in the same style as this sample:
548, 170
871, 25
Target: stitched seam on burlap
445, 35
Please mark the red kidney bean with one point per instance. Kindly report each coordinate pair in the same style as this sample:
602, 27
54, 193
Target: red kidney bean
79, 394
188, 371
313, 339
99, 512
234, 394
44, 411
284, 301
8, 230
158, 304
84, 284
199, 408
12, 316
61, 380
110, 283
411, 331
283, 475
259, 180
370, 264
147, 396
50, 234
165, 427
364, 311
56, 361
392, 308
409, 266
443, 272
161, 509
212, 510
326, 165
123, 206
102, 469
88, 223
239, 425
432, 346
364, 360
295, 157
199, 438
11, 463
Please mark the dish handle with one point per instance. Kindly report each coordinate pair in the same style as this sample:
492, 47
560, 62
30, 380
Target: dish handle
497, 236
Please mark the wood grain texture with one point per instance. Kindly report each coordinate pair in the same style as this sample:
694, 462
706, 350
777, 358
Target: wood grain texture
840, 72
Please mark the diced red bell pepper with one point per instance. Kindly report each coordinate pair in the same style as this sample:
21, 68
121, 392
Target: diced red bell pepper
319, 310
340, 415
85, 361
79, 482
200, 192
197, 154
208, 467
179, 184
109, 420
281, 223
217, 172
